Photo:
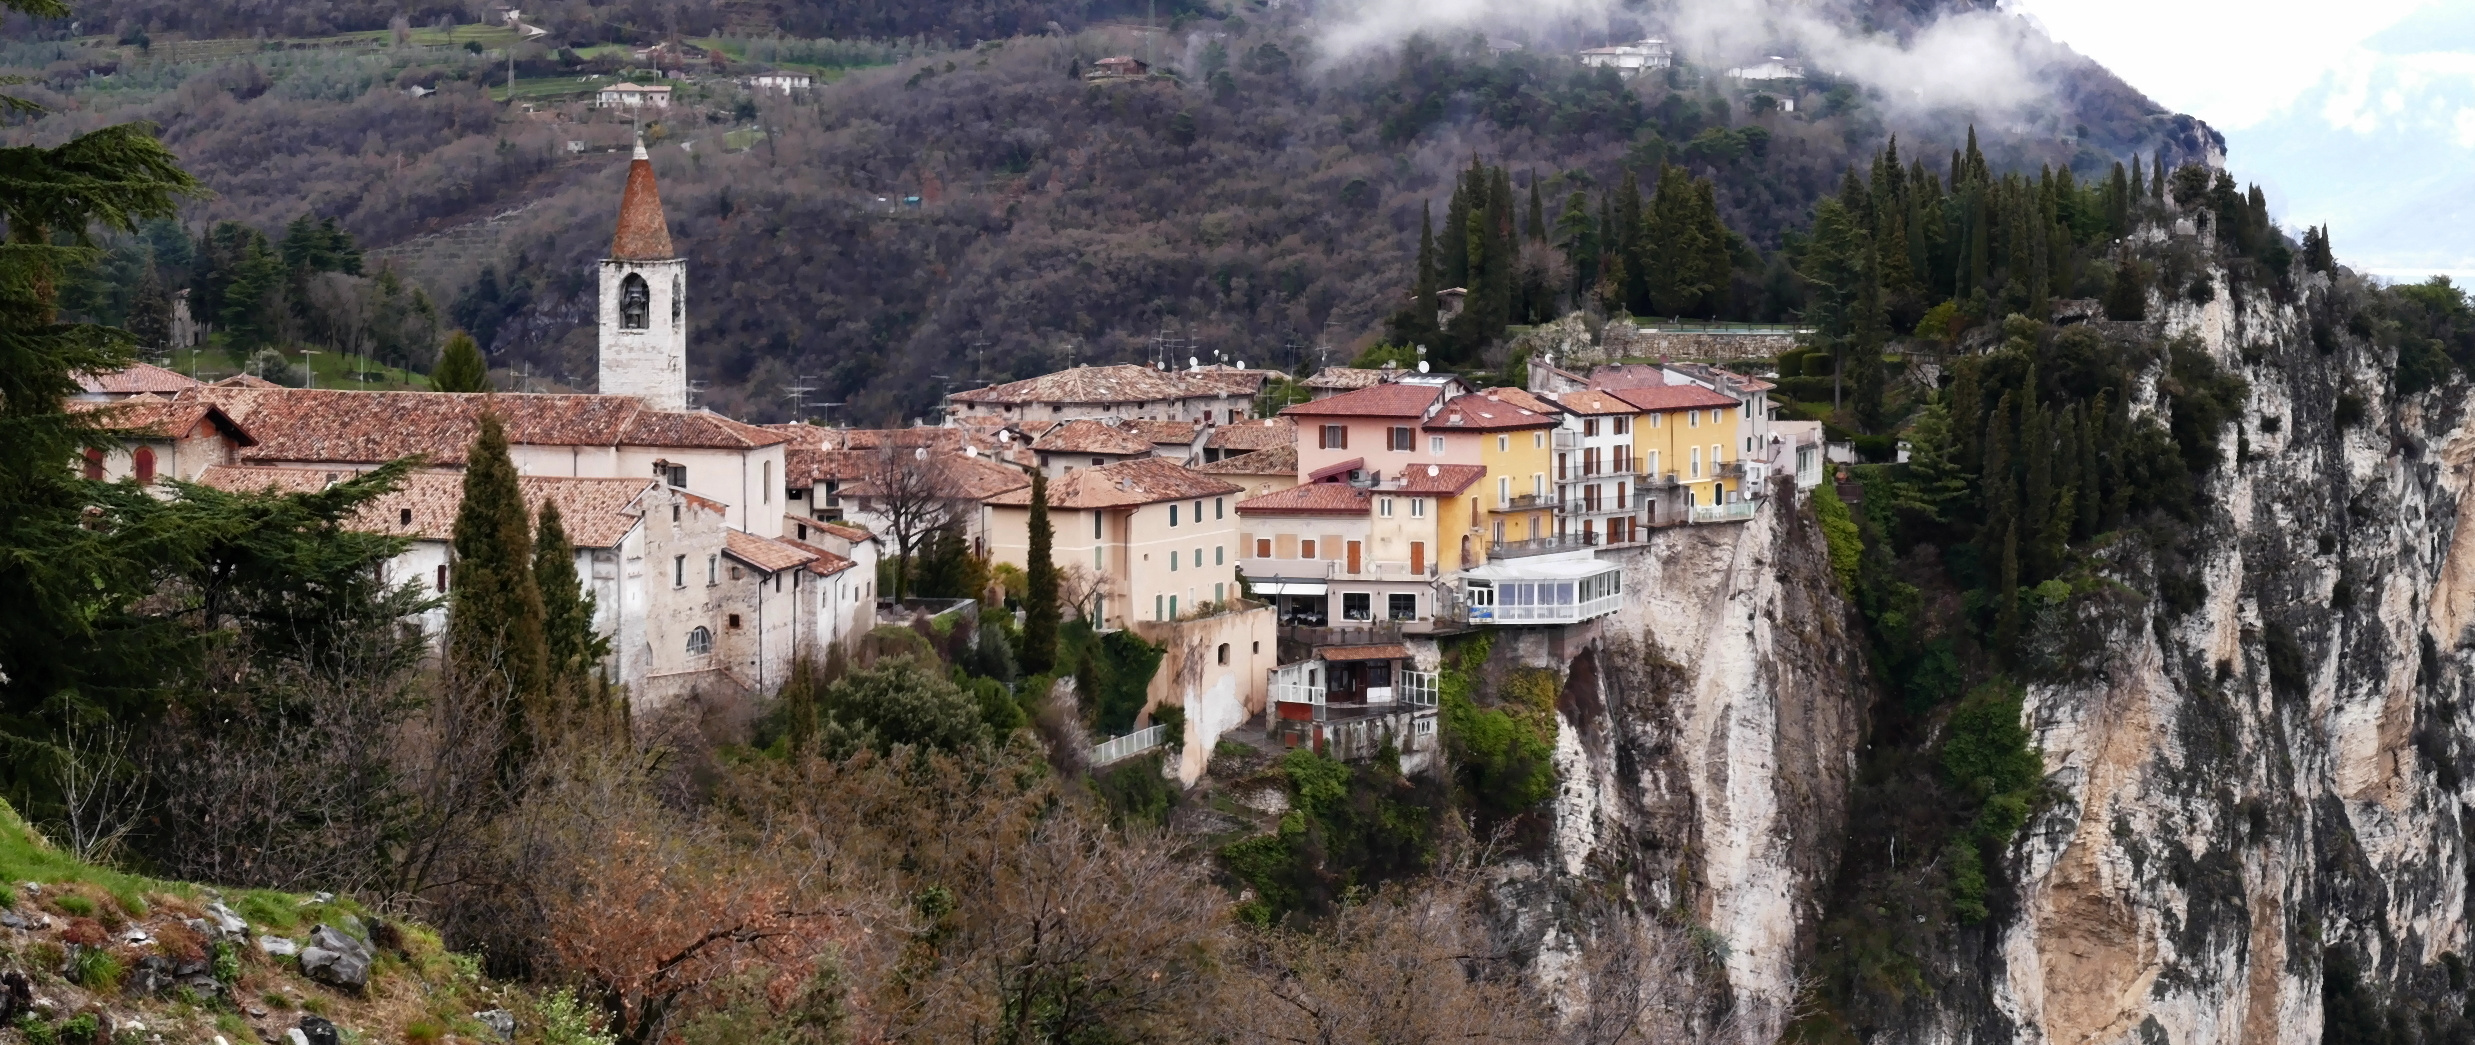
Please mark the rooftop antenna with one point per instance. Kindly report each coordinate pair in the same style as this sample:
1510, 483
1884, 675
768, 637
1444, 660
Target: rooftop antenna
309, 366
694, 389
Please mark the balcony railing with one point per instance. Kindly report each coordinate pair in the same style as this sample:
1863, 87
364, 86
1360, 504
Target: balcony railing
1525, 502
1297, 693
1260, 570
1130, 745
1542, 545
1737, 511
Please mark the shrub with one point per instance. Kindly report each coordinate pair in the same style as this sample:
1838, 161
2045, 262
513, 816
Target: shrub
1839, 531
566, 1021
1136, 792
900, 701
1988, 758
2350, 410
95, 969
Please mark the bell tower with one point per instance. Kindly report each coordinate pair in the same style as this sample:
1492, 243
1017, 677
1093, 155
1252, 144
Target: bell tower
644, 300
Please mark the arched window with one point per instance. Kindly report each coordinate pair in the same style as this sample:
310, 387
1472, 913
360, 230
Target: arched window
635, 302
144, 461
700, 641
1224, 653
94, 463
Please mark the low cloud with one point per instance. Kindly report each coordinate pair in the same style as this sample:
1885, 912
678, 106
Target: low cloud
1983, 61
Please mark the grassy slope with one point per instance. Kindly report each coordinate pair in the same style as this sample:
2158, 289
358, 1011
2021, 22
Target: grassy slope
419, 993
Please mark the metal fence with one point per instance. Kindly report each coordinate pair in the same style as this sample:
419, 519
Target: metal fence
1130, 745
1738, 511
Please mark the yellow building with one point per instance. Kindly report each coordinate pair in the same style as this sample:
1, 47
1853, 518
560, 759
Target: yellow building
1685, 448
1509, 432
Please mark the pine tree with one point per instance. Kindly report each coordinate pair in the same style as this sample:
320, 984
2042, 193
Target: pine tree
1040, 609
1935, 486
571, 646
460, 366
2139, 186
1454, 239
1415, 324
495, 630
2317, 256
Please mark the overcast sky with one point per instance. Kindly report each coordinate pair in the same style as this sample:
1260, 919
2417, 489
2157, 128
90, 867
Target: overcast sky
2357, 113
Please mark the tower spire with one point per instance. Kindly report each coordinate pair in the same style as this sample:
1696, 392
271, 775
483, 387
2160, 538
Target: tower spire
644, 298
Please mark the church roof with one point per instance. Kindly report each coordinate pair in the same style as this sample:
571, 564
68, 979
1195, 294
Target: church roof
643, 233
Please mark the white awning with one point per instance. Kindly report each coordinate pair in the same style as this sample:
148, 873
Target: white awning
1288, 587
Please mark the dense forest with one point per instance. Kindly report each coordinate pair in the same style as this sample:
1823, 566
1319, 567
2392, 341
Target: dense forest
1258, 198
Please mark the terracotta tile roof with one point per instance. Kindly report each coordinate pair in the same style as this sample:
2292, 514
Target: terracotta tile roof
1310, 499
973, 477
825, 563
1091, 437
1163, 433
1527, 400
1336, 468
643, 235
1386, 651
1279, 460
1119, 383
1591, 401
299, 424
1445, 479
149, 415
137, 378
597, 513
1714, 374
1143, 480
1387, 400
1675, 397
1344, 378
764, 553
1260, 434
1480, 412
245, 381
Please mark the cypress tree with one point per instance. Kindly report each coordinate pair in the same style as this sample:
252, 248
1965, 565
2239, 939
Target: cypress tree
1414, 324
460, 366
2040, 279
150, 311
2088, 501
2139, 186
1455, 258
570, 645
1715, 266
1631, 234
495, 636
1580, 237
2157, 177
2038, 485
2126, 297
1040, 609
1538, 212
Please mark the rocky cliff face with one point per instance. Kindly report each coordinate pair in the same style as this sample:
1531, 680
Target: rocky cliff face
1706, 739
2256, 822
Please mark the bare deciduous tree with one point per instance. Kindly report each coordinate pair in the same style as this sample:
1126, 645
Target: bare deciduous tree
909, 493
103, 790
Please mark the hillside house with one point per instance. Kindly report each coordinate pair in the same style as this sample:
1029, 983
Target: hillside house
159, 438
136, 379
1631, 60
784, 82
1141, 539
1685, 451
1118, 67
632, 96
1220, 395
1510, 434
1246, 437
1261, 472
1347, 702
1088, 444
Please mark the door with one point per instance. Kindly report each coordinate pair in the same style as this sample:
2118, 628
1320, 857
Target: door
1417, 556
1353, 556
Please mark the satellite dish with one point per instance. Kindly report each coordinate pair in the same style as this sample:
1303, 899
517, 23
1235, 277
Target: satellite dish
1193, 364
1241, 364
970, 450
1422, 366
1433, 471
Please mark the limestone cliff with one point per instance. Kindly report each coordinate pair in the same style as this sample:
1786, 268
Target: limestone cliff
2256, 791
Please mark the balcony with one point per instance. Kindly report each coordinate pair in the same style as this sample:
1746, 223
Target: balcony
1542, 545
1658, 481
1737, 511
1525, 502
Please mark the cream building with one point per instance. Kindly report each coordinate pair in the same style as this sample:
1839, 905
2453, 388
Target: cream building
1140, 540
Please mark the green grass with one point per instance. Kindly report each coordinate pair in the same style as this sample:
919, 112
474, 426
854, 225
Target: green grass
547, 87
26, 857
333, 369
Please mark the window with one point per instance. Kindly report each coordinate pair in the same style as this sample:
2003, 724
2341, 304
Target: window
678, 571
1220, 507
1417, 507
1384, 507
1654, 420
700, 641
635, 303
1172, 560
673, 474
1620, 425
1499, 531
1198, 511
1400, 439
1263, 548
1224, 653
403, 516
1563, 466
1357, 605
1503, 443
1503, 490
1435, 445
1650, 461
1333, 437
1538, 484
1306, 549
1401, 607
1172, 607
1217, 552
1538, 440
1589, 426
678, 294
713, 570
1220, 592
1172, 515
144, 462
674, 513
1692, 419
734, 622
442, 578
1717, 413
1716, 452
1157, 601
1257, 646
1095, 525
94, 463
764, 471
1697, 462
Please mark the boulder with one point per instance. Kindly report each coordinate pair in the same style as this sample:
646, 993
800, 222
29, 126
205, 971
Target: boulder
317, 1031
277, 946
500, 1021
151, 976
336, 960
225, 924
